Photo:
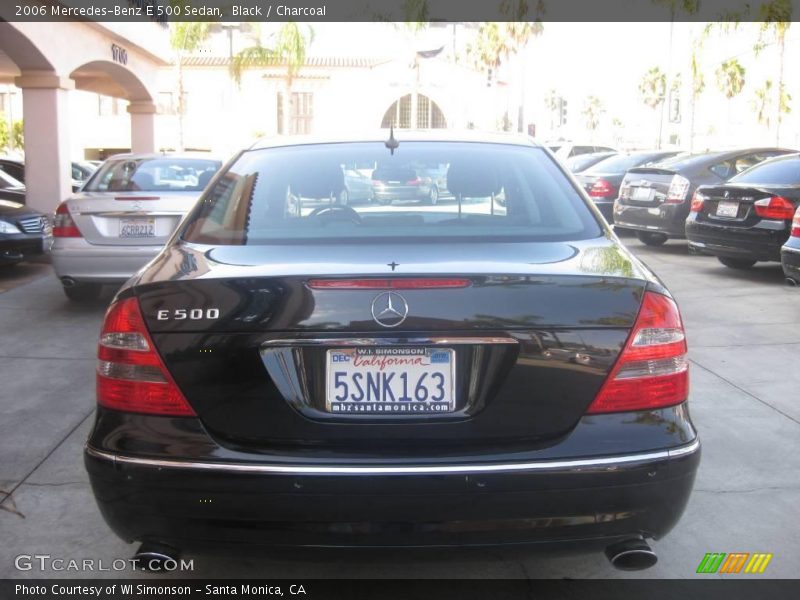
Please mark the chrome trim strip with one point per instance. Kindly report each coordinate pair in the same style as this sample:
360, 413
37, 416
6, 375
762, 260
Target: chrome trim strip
579, 464
389, 341
790, 249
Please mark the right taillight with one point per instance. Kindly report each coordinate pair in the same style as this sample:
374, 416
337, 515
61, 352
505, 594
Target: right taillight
63, 224
131, 376
652, 370
678, 188
601, 189
697, 202
796, 223
776, 207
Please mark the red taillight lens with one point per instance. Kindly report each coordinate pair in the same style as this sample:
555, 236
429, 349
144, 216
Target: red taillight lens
131, 376
417, 283
697, 202
415, 181
63, 225
678, 188
776, 207
796, 224
602, 189
652, 370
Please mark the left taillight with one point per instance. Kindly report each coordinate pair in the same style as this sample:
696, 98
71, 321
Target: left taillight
776, 207
63, 224
131, 377
652, 370
602, 189
796, 224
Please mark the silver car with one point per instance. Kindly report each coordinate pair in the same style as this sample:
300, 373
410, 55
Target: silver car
123, 215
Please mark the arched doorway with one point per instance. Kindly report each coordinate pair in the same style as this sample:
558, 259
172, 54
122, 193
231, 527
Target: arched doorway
399, 114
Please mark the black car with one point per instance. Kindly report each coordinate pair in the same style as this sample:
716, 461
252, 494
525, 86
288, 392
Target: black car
790, 253
602, 180
14, 168
393, 375
654, 201
24, 232
581, 162
748, 219
79, 171
11, 189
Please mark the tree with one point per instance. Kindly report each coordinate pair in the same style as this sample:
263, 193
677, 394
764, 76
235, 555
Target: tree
653, 88
730, 80
5, 135
763, 100
18, 134
776, 18
698, 84
592, 109
288, 50
185, 38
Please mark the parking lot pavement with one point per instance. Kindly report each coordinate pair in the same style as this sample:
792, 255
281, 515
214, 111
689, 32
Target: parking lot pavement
744, 336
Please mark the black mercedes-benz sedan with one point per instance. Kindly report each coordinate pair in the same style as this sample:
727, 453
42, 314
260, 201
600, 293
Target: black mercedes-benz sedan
24, 232
654, 201
748, 219
498, 369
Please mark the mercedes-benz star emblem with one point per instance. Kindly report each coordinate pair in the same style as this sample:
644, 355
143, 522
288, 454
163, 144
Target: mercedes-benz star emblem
389, 309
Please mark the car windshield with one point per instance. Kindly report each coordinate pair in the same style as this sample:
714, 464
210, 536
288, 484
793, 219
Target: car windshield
620, 163
163, 174
7, 181
781, 171
482, 191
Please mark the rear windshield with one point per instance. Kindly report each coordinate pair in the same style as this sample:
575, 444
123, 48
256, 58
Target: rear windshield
162, 174
622, 162
781, 171
7, 181
681, 161
303, 193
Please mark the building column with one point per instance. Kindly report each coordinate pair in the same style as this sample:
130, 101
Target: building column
48, 172
143, 126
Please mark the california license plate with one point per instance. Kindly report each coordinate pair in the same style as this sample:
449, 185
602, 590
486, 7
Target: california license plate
390, 380
137, 228
641, 193
727, 209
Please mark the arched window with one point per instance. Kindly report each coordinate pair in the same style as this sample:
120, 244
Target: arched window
429, 115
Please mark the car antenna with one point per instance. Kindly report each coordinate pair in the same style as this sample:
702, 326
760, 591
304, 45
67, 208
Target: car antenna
392, 144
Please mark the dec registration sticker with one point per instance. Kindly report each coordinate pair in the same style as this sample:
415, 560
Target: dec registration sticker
390, 380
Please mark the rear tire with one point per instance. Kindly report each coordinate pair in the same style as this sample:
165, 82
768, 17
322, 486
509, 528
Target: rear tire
433, 196
651, 239
344, 197
83, 292
736, 263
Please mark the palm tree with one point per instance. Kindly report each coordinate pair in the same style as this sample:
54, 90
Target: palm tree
592, 109
551, 103
730, 80
776, 18
288, 50
653, 88
185, 38
698, 84
762, 101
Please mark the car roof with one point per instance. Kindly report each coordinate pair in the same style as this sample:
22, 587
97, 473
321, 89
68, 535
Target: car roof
401, 135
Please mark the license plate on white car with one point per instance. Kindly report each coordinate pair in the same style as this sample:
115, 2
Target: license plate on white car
137, 228
390, 380
727, 209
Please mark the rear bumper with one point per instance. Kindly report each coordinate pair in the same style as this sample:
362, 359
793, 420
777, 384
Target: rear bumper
606, 208
17, 247
750, 243
790, 259
85, 262
668, 219
198, 503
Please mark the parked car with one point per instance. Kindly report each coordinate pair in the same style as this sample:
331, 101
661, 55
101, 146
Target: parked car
122, 217
654, 201
24, 232
790, 253
80, 171
11, 189
565, 150
392, 183
581, 162
357, 187
749, 218
393, 374
602, 180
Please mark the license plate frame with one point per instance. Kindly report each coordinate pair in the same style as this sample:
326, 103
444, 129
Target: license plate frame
641, 193
729, 210
148, 222
434, 372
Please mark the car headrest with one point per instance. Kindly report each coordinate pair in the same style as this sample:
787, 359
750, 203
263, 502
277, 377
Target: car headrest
318, 181
472, 179
204, 178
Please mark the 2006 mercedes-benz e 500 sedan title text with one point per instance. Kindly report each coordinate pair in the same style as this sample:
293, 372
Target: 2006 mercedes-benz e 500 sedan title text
294, 371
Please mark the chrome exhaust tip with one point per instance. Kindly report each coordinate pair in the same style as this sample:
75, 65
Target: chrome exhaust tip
68, 282
155, 558
631, 555
791, 282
